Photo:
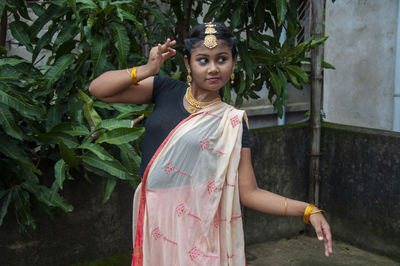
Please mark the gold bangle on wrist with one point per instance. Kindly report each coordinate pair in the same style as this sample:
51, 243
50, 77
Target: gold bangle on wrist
308, 212
133, 75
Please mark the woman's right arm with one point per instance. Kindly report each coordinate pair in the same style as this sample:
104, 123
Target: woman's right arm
116, 86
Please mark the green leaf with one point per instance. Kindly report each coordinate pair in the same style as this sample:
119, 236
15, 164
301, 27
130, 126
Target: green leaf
86, 4
8, 123
22, 8
12, 61
327, 65
9, 73
98, 150
51, 13
89, 112
4, 207
127, 114
18, 30
131, 160
315, 43
121, 135
114, 168
139, 26
55, 137
235, 18
22, 207
68, 154
298, 72
294, 81
59, 171
69, 31
99, 54
59, 67
281, 9
110, 124
44, 40
227, 93
245, 57
11, 149
122, 43
276, 83
242, 86
109, 185
71, 128
283, 80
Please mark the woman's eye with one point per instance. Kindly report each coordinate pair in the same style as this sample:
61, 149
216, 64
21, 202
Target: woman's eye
203, 60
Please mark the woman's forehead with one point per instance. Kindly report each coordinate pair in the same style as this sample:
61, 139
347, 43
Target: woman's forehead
222, 47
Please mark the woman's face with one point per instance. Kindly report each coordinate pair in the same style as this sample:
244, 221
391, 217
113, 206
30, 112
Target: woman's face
211, 68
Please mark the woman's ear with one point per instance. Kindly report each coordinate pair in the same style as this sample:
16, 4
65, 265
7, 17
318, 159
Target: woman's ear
187, 64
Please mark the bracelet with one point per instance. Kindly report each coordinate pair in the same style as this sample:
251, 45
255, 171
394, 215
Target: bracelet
308, 212
285, 212
133, 75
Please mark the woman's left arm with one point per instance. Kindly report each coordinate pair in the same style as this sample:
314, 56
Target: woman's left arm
265, 201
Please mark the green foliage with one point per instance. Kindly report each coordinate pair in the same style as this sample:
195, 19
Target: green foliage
47, 116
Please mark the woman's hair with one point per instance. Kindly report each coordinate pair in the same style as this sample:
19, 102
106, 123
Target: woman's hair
197, 35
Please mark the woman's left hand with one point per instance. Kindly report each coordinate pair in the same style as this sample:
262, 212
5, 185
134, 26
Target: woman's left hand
323, 231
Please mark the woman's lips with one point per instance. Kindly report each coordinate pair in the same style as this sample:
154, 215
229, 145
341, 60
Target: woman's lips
213, 79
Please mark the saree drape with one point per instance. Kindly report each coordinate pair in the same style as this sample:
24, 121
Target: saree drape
187, 210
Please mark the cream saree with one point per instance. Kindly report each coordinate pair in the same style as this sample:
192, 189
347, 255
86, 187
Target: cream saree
187, 209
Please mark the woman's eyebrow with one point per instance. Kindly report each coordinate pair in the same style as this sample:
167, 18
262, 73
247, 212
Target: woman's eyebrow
207, 55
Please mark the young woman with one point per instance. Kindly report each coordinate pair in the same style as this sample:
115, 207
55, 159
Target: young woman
196, 164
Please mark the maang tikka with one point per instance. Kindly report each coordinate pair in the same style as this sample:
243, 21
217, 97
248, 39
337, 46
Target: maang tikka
210, 40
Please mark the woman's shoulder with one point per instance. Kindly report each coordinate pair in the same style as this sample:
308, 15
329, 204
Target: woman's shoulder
167, 87
166, 81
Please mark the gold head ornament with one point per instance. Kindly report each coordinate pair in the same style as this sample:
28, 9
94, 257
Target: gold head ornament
210, 40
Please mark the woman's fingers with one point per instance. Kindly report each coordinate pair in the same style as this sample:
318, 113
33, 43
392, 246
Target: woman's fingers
168, 44
323, 231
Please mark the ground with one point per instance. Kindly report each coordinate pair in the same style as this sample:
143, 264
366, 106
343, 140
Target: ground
296, 251
309, 251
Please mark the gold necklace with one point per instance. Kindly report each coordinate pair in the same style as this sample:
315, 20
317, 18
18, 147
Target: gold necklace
195, 104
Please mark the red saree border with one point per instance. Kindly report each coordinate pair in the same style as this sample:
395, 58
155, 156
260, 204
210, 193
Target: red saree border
137, 256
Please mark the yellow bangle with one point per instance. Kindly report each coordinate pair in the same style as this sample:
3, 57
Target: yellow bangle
308, 212
133, 75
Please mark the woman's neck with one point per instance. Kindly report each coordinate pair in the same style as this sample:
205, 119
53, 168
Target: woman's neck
204, 95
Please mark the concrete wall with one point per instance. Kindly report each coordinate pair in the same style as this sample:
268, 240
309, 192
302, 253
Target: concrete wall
360, 171
280, 162
360, 189
362, 47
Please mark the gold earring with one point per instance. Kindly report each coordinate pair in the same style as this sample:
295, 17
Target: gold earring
232, 77
189, 77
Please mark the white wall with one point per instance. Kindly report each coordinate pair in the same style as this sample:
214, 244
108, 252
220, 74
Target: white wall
362, 47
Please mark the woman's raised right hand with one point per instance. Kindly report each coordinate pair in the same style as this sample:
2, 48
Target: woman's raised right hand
159, 54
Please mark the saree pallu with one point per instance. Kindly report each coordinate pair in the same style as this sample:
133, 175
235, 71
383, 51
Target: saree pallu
187, 209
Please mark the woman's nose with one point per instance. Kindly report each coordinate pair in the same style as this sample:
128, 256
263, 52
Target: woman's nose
213, 68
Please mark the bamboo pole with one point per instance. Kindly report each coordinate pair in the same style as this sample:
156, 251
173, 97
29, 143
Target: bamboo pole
315, 108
